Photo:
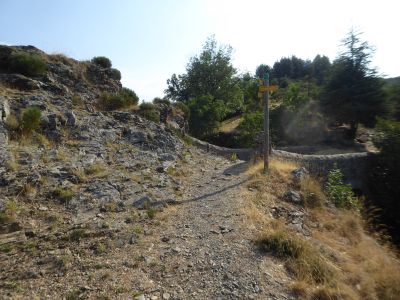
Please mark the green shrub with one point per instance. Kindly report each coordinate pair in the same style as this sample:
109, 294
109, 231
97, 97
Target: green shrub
115, 74
113, 101
27, 64
77, 100
148, 111
129, 96
384, 176
158, 100
252, 124
102, 61
183, 108
30, 120
338, 192
64, 195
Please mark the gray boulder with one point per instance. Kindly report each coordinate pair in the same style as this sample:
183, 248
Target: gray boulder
293, 196
300, 174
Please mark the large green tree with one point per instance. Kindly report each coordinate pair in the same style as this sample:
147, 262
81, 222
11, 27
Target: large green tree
210, 73
353, 92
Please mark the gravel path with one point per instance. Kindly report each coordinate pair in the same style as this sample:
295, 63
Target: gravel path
206, 250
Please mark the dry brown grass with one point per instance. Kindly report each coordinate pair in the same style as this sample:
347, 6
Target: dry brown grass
311, 193
347, 264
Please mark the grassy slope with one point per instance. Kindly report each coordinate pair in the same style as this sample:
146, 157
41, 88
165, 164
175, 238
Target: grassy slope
338, 260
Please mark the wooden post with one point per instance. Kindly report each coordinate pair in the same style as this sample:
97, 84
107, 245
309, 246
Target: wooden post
266, 124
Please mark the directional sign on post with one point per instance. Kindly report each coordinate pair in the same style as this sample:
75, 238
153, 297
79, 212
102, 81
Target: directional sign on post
268, 88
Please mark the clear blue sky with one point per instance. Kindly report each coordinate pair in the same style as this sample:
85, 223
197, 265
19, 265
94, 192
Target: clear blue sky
150, 40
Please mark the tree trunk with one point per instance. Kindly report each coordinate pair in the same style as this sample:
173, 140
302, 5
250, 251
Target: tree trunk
353, 130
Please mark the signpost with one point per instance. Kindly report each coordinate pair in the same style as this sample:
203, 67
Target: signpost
264, 90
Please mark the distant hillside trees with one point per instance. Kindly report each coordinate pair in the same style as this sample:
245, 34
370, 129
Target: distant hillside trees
353, 91
210, 80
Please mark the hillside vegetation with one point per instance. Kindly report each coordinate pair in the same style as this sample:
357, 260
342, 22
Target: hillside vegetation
326, 249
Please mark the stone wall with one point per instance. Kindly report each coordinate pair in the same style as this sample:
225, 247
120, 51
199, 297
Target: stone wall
242, 154
353, 165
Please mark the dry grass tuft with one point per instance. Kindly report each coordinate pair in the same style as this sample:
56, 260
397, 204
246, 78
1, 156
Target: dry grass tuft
311, 193
97, 169
302, 259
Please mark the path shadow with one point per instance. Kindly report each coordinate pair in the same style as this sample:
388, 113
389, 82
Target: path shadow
237, 168
202, 197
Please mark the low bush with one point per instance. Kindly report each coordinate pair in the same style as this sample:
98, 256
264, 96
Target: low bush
129, 96
115, 74
338, 192
161, 101
183, 108
64, 195
149, 111
112, 101
102, 61
30, 120
27, 64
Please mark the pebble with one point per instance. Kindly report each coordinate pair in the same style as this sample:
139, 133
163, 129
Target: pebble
166, 296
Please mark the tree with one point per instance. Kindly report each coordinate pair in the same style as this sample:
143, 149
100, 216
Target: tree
210, 73
262, 69
393, 97
353, 93
249, 86
205, 115
320, 68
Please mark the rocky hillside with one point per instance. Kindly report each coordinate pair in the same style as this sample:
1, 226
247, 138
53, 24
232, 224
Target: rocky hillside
78, 163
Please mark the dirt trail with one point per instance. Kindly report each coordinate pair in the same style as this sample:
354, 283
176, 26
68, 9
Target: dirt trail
205, 245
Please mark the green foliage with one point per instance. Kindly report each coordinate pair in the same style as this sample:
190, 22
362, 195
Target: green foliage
249, 86
320, 68
211, 73
384, 175
129, 96
27, 64
392, 89
64, 195
353, 93
338, 192
30, 120
183, 108
206, 114
102, 61
296, 97
115, 74
252, 124
151, 213
149, 111
123, 99
262, 69
291, 67
77, 100
163, 101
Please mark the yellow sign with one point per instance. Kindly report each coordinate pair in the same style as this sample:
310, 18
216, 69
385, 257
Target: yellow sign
268, 88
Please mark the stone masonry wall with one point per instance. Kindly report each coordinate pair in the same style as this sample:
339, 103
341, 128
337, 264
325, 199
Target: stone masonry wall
353, 165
